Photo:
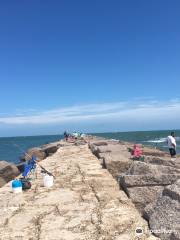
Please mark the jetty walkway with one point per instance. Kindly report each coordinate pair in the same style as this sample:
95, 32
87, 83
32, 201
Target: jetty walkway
85, 203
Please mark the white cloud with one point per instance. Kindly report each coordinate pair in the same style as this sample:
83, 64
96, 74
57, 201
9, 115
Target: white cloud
133, 111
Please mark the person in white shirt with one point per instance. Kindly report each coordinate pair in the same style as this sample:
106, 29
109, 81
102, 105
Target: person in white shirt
171, 141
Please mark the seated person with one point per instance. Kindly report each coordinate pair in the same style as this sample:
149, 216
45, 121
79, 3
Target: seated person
136, 153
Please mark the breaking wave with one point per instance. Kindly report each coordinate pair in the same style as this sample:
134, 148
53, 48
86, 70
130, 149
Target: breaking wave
160, 140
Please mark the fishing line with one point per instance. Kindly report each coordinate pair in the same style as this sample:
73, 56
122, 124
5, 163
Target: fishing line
22, 150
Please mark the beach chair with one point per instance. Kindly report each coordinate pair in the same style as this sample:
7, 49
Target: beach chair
29, 167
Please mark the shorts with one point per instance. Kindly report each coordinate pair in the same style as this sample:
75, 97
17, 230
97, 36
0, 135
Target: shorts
172, 152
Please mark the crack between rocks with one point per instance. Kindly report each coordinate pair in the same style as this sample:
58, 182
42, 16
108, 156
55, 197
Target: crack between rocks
149, 185
97, 210
37, 221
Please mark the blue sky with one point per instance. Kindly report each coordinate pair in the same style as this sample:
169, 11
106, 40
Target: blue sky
89, 66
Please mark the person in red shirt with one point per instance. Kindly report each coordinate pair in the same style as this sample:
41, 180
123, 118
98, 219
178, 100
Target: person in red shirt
136, 152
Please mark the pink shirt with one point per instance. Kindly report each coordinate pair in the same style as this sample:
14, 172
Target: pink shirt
137, 151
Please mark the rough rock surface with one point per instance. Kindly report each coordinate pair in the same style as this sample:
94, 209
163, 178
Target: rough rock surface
84, 204
37, 151
50, 148
42, 152
149, 180
147, 151
141, 168
8, 171
164, 213
145, 182
113, 156
115, 163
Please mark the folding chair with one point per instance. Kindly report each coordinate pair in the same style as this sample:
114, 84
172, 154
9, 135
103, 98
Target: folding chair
29, 167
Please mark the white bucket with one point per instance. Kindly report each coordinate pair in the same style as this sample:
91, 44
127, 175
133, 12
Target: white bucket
17, 190
48, 181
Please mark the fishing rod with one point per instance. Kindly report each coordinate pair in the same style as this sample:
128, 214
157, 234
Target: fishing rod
43, 169
22, 150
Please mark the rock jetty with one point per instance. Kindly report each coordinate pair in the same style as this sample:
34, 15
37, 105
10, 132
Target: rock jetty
42, 152
8, 171
85, 202
153, 185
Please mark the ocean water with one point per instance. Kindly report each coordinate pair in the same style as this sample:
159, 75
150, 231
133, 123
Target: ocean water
148, 138
10, 152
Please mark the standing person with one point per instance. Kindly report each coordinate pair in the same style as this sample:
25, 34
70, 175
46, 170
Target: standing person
171, 141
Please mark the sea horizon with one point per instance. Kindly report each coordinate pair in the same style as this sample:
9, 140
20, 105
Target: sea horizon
11, 148
89, 133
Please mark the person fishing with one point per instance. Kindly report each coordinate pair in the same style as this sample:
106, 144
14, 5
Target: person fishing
171, 141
